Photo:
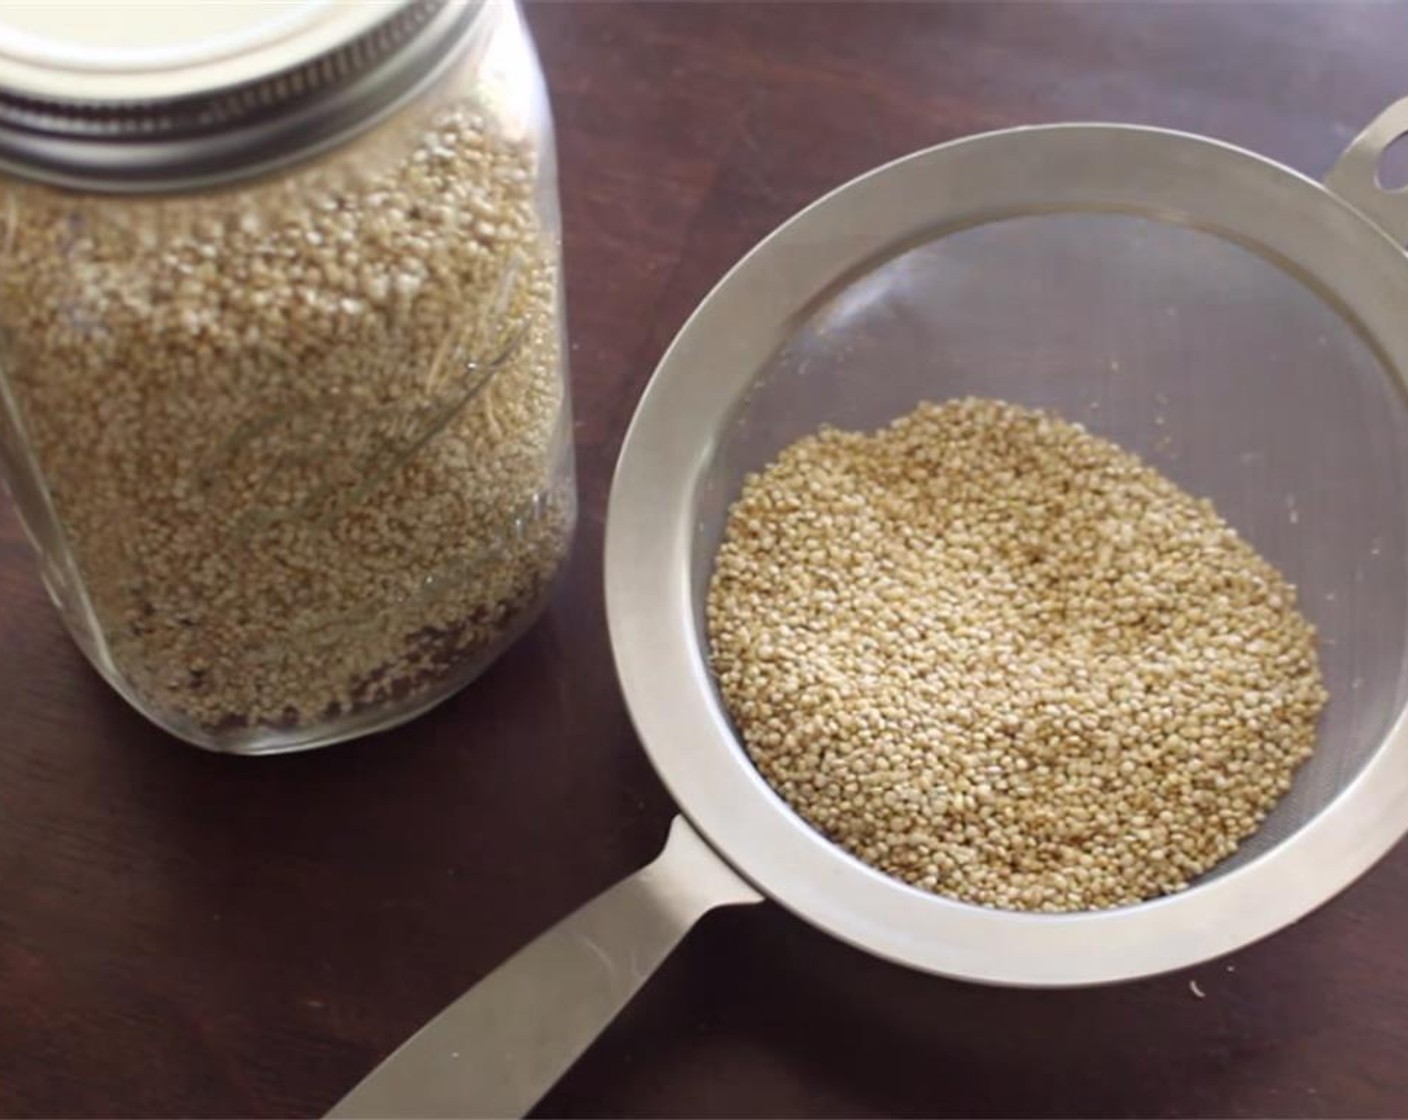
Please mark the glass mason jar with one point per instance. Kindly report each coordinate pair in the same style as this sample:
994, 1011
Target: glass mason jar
283, 396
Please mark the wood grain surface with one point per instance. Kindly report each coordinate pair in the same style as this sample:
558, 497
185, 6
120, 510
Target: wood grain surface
183, 934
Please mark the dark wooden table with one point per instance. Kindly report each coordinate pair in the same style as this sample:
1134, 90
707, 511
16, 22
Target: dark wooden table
185, 934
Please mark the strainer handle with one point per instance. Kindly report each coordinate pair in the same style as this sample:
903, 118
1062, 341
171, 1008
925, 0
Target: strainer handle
498, 1048
1355, 177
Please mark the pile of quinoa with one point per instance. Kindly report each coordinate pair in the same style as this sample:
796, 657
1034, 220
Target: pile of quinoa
1003, 660
309, 454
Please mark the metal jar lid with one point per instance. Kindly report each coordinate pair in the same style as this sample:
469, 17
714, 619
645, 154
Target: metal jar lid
161, 97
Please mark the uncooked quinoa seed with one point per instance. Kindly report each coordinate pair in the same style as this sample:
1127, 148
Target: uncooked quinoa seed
1005, 661
307, 451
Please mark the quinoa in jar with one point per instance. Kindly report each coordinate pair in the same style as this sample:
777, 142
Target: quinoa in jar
289, 423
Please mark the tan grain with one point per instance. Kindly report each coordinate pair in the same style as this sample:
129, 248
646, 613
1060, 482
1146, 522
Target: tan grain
308, 456
1003, 660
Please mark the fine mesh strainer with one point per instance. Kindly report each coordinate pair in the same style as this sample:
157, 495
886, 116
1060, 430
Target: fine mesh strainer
1241, 327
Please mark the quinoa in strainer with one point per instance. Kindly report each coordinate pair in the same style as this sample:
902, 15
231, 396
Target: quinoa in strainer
1003, 660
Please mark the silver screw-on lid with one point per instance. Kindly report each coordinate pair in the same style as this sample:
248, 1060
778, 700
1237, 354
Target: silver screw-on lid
158, 97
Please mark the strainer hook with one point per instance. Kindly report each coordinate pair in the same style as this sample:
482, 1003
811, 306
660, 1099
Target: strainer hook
1355, 176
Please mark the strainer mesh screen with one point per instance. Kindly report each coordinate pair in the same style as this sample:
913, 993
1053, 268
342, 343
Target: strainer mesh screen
1214, 364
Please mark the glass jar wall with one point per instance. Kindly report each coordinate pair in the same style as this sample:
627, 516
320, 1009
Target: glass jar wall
285, 408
